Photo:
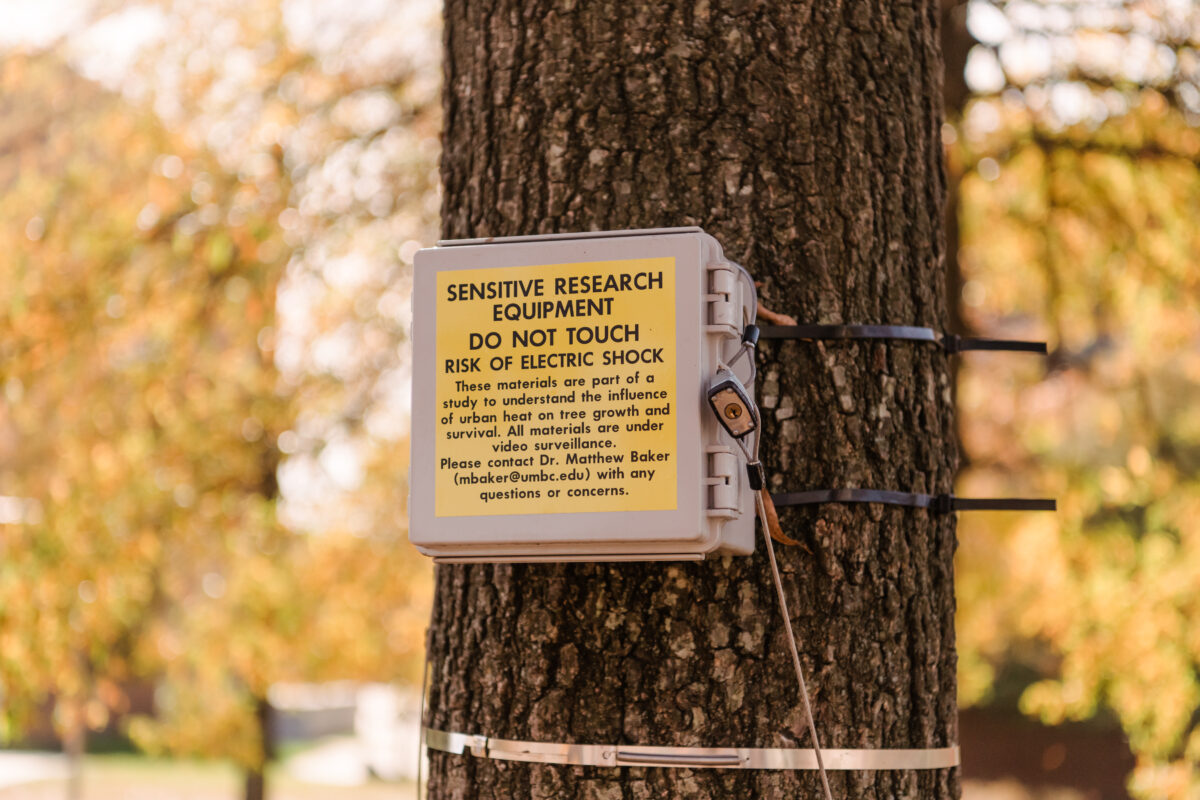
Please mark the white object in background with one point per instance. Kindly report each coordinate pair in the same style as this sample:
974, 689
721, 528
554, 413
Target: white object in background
388, 730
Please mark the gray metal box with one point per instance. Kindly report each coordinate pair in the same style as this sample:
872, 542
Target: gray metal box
559, 408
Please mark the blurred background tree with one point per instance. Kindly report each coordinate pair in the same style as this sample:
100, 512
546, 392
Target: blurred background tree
142, 408
1078, 157
203, 427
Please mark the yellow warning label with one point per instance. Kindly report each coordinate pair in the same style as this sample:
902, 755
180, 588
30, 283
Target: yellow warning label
556, 389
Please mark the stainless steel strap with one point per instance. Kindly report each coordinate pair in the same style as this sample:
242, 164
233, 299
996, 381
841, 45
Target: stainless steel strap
601, 755
585, 755
456, 743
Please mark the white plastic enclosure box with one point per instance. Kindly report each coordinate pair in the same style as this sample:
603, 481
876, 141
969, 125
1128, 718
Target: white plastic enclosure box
558, 400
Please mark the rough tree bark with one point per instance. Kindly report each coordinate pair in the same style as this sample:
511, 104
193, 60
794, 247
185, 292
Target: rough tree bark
806, 137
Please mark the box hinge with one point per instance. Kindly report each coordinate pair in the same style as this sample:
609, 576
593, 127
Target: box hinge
724, 301
723, 477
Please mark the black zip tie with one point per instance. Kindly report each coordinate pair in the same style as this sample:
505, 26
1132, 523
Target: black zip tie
958, 344
938, 504
951, 343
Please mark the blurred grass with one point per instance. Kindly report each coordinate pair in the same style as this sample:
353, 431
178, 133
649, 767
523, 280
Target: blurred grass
134, 777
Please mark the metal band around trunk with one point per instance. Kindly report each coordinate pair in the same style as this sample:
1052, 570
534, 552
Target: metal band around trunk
602, 755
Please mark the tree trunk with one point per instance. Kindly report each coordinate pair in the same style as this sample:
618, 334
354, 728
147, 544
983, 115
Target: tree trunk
806, 138
75, 748
255, 785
